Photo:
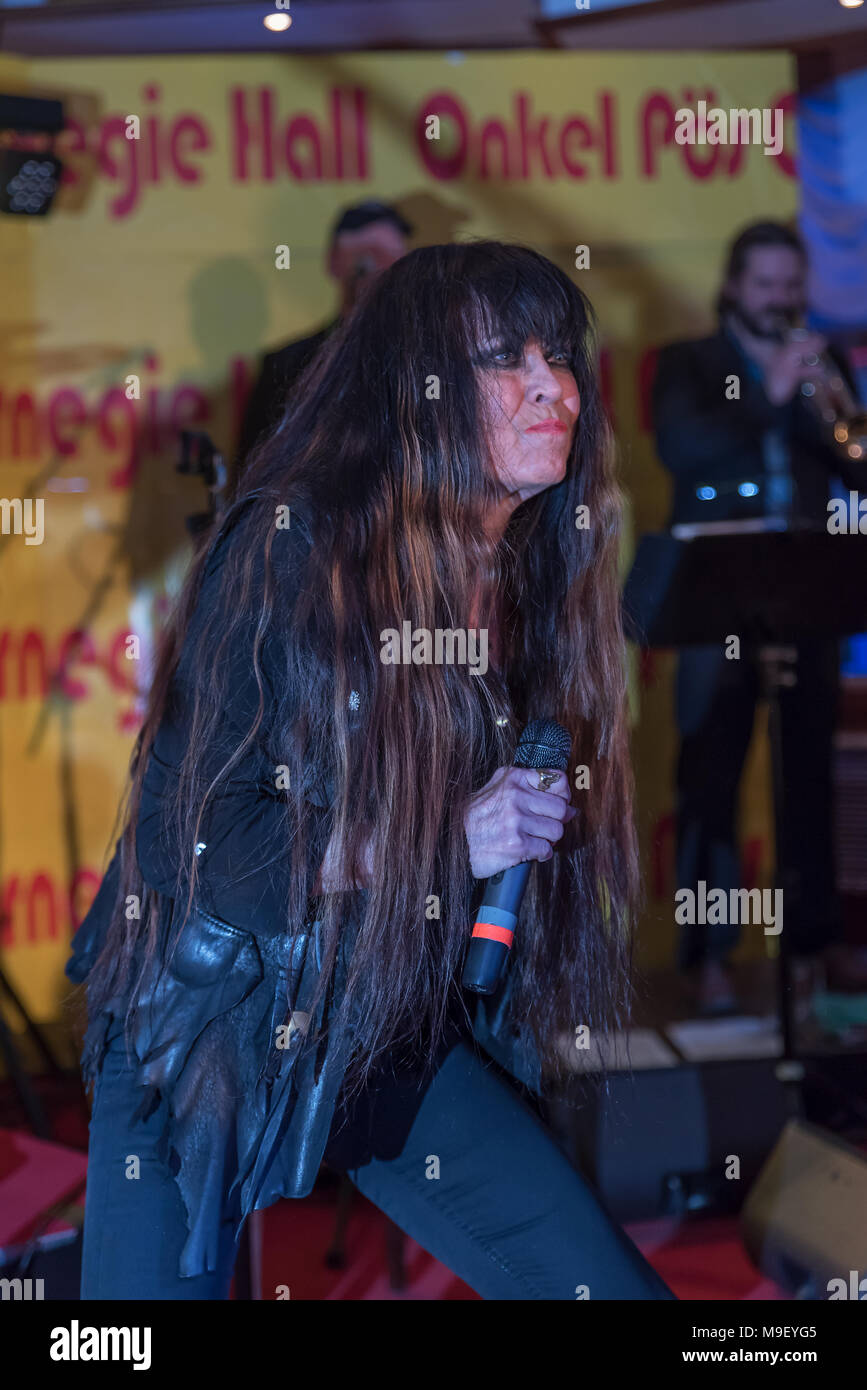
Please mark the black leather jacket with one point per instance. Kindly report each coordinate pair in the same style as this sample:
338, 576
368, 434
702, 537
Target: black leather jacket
246, 1122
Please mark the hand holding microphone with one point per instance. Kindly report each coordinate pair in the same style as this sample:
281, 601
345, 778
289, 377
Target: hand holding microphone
514, 819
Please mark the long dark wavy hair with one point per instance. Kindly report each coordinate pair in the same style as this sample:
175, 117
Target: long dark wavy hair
383, 445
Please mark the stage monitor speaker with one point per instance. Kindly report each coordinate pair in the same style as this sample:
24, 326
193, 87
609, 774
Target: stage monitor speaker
662, 1141
805, 1220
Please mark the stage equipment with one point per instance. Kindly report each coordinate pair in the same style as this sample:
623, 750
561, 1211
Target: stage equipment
772, 589
660, 1141
30, 171
804, 1220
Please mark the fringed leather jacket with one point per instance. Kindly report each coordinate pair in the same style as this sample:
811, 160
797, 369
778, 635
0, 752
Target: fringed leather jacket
246, 1122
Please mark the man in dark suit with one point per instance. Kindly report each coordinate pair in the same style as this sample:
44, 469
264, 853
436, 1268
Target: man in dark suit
743, 440
365, 240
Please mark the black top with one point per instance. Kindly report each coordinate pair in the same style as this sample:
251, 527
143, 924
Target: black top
704, 439
280, 370
242, 868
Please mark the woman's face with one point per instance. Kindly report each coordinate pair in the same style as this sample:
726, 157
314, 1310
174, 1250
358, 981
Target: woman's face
531, 407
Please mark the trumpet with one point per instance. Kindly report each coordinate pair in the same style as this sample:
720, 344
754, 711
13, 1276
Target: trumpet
829, 395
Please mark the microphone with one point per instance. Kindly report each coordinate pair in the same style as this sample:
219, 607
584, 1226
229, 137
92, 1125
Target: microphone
543, 743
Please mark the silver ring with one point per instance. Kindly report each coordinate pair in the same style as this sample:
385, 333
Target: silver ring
547, 779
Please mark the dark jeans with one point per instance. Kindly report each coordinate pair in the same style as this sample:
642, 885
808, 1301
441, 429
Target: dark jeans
479, 1183
716, 705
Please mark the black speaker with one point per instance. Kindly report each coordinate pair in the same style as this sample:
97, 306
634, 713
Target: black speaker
673, 1139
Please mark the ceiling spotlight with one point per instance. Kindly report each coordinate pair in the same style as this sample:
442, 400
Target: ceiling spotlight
851, 4
278, 23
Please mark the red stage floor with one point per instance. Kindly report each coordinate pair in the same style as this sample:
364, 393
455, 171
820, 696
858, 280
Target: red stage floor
699, 1259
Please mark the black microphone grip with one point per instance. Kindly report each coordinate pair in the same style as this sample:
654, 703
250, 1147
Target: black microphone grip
494, 929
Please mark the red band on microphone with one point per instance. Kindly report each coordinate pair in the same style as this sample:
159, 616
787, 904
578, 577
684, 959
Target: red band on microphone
493, 933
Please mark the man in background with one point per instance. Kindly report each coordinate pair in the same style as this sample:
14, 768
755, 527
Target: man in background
365, 240
765, 453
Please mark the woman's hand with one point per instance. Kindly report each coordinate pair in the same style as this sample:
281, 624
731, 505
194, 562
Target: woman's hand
510, 820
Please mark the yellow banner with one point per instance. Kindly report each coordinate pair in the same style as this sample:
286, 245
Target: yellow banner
139, 306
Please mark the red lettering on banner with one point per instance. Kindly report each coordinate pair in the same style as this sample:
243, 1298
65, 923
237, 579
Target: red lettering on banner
8, 895
608, 113
25, 406
74, 646
656, 127
736, 159
82, 877
124, 426
532, 140
702, 160
336, 171
152, 435
442, 166
571, 129
71, 141
333, 145
153, 138
35, 908
66, 396
244, 134
162, 151
360, 115
305, 129
188, 173
121, 676
115, 406
531, 146
494, 130
27, 673
123, 169
337, 142
32, 645
657, 120
129, 720
41, 890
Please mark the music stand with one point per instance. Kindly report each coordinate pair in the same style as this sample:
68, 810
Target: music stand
770, 587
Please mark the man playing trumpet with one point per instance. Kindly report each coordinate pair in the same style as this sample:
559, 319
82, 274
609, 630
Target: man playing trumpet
744, 422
